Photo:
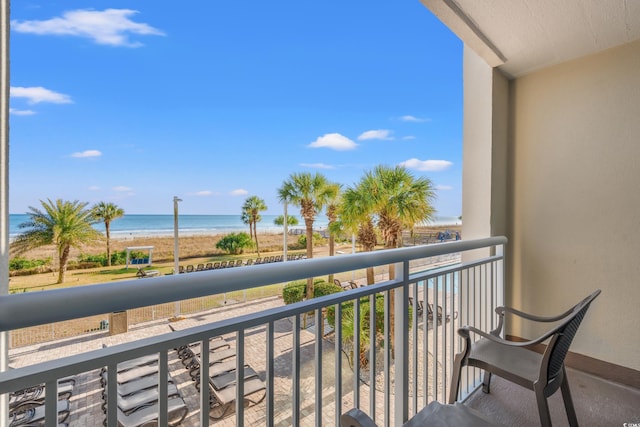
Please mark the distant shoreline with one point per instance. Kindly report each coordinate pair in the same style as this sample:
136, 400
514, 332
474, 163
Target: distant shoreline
144, 226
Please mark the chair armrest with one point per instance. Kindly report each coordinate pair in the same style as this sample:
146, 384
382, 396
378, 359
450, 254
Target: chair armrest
356, 418
465, 333
500, 311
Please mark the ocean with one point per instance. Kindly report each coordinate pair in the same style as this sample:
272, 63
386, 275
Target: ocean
131, 225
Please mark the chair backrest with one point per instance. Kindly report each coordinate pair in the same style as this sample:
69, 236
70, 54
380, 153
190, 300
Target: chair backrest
565, 332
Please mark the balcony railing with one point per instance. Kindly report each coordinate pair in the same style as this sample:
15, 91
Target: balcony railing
311, 374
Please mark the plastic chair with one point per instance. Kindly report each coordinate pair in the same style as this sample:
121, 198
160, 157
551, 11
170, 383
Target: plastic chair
513, 361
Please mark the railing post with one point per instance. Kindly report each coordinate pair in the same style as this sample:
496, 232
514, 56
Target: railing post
401, 345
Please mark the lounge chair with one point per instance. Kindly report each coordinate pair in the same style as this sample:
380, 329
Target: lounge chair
430, 313
138, 361
190, 269
133, 373
223, 264
347, 285
134, 401
419, 306
249, 261
135, 386
216, 265
193, 366
30, 397
513, 361
208, 266
35, 416
142, 273
222, 388
148, 415
200, 267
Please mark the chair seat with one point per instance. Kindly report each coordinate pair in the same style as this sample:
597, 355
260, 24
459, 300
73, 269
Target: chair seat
516, 364
458, 415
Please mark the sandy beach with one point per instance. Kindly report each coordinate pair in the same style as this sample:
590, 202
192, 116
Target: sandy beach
204, 245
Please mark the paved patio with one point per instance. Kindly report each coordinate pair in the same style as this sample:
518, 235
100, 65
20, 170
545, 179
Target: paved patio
86, 400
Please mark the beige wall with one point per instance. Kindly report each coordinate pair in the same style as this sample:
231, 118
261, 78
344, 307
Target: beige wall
485, 148
574, 198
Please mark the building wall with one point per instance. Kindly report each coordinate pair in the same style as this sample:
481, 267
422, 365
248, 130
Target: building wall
574, 198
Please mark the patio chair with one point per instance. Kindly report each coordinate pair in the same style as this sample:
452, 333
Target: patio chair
419, 306
430, 313
513, 361
434, 415
35, 416
208, 266
190, 268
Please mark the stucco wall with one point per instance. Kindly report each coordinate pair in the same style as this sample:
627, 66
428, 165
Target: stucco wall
574, 198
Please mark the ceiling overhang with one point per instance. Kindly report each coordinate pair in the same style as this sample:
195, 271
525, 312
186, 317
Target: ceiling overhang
522, 36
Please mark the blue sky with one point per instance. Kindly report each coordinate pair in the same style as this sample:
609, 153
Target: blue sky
136, 102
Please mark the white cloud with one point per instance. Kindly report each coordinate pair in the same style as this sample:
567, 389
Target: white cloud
38, 94
15, 112
443, 187
317, 166
93, 188
427, 165
87, 153
384, 134
122, 189
334, 141
203, 193
239, 192
108, 27
414, 119
408, 137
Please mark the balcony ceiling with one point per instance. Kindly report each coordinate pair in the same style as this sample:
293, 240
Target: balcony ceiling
526, 35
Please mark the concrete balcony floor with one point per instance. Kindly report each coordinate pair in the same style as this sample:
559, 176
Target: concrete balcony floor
598, 403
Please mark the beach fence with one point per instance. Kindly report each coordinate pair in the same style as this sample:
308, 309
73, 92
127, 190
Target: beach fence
101, 323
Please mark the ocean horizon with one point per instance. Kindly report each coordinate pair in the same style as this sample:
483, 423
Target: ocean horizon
139, 225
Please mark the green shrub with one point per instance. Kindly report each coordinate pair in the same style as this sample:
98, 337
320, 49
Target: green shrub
117, 258
27, 264
324, 288
295, 291
317, 240
365, 336
235, 243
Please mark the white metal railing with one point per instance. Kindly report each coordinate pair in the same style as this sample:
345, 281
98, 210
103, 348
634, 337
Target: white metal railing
391, 382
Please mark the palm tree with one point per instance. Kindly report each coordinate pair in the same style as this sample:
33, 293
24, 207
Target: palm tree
399, 200
291, 220
311, 192
355, 214
251, 213
61, 223
107, 212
